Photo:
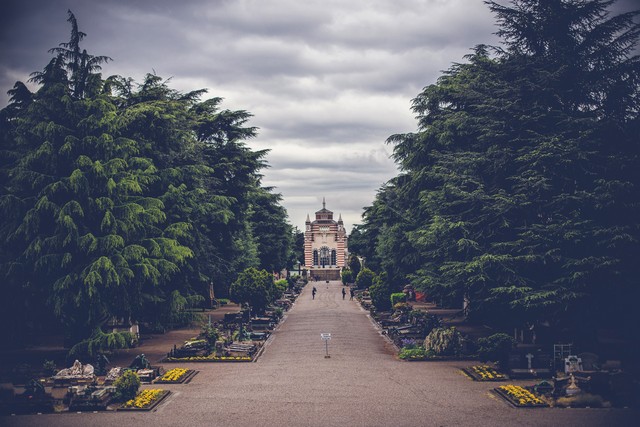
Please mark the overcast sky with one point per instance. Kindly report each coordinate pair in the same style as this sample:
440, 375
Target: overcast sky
327, 81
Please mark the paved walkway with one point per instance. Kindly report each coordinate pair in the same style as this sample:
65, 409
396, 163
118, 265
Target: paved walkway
361, 384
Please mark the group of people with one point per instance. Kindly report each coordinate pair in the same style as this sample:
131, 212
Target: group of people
344, 293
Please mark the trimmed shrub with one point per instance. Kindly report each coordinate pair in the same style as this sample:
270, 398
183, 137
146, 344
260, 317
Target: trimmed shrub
365, 278
127, 386
380, 292
281, 285
347, 276
444, 342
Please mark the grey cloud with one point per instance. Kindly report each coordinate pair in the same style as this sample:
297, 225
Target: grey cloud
327, 81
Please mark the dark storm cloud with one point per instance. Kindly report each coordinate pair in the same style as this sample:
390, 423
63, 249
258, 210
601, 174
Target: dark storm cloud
327, 81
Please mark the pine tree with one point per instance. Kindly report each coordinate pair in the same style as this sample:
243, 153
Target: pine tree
124, 201
517, 191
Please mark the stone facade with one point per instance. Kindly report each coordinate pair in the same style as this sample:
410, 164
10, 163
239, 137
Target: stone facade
325, 245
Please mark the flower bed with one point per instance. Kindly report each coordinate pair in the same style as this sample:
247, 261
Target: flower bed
417, 353
484, 373
520, 397
145, 400
210, 358
176, 376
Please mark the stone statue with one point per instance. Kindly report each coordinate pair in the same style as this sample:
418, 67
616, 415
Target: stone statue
101, 364
140, 362
114, 374
573, 388
77, 371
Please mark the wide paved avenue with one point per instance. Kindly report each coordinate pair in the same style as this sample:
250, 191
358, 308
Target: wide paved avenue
361, 384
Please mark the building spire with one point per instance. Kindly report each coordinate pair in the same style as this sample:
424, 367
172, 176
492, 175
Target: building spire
308, 220
323, 203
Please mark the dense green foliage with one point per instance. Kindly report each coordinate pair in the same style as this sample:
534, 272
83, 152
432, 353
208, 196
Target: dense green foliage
127, 386
365, 278
397, 297
354, 265
415, 353
444, 342
496, 348
101, 342
210, 333
256, 288
124, 201
346, 276
380, 292
519, 190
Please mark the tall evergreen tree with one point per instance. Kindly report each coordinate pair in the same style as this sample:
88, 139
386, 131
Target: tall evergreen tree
121, 200
519, 190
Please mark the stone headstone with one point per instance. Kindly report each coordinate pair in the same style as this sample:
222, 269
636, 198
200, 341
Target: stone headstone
114, 374
529, 357
572, 364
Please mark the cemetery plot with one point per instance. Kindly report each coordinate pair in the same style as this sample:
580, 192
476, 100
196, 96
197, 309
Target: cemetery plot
146, 400
89, 398
484, 373
210, 358
33, 399
80, 387
520, 397
176, 376
144, 370
239, 337
76, 374
529, 365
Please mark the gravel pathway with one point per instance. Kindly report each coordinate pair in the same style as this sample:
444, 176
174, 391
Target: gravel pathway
360, 384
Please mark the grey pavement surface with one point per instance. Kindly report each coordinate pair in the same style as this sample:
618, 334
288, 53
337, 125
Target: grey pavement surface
361, 384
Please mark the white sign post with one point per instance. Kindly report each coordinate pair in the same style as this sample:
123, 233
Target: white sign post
326, 337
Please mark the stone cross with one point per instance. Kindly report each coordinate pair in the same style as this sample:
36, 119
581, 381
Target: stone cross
529, 356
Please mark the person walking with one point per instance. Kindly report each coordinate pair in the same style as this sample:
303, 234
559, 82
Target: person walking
344, 293
352, 293
313, 293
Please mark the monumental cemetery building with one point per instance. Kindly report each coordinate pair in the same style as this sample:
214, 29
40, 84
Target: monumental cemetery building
325, 246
